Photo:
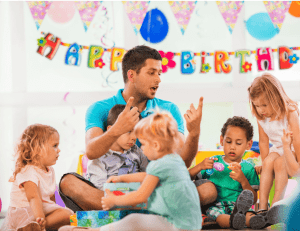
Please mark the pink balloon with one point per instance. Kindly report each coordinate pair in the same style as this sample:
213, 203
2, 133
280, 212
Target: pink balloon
61, 12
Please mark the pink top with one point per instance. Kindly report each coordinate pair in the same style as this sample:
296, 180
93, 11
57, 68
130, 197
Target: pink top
274, 130
45, 182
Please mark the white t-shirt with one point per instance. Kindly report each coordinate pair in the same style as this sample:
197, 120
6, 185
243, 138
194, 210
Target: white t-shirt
45, 182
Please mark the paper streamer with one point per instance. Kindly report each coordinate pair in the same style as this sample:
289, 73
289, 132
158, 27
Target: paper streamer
39, 10
230, 11
87, 11
277, 10
182, 11
136, 11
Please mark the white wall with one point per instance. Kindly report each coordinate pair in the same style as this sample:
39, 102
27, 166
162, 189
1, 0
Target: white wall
32, 87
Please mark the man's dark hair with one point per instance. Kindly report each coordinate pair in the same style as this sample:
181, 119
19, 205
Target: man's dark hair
241, 122
135, 59
114, 112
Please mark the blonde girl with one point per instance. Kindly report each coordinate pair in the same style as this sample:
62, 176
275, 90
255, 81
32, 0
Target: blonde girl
275, 112
172, 196
32, 201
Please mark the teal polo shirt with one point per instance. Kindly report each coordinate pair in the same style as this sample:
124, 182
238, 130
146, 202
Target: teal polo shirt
96, 115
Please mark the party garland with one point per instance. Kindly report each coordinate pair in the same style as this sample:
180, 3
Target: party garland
264, 57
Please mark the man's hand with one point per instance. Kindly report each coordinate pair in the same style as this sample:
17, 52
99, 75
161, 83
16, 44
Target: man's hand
127, 118
113, 179
237, 173
207, 163
258, 169
193, 118
41, 222
108, 201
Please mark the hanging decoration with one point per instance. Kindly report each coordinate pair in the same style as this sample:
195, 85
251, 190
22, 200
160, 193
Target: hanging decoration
295, 9
87, 11
167, 60
261, 27
182, 11
39, 10
155, 26
230, 12
264, 57
277, 10
136, 11
62, 11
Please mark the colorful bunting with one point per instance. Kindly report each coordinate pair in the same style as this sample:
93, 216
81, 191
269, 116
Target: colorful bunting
39, 10
136, 12
87, 11
230, 11
277, 10
182, 11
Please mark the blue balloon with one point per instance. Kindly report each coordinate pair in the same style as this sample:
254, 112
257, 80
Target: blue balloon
294, 212
155, 26
261, 27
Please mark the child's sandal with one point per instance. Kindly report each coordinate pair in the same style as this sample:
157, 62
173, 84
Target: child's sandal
243, 204
265, 218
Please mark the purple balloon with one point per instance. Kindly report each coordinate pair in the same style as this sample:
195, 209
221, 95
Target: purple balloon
58, 199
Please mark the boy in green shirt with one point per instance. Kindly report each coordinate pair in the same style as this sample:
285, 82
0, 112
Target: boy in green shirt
236, 183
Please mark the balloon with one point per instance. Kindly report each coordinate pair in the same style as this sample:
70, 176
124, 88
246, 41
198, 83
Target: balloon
295, 9
261, 27
155, 26
62, 12
294, 212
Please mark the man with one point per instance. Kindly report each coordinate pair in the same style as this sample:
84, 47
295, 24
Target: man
141, 68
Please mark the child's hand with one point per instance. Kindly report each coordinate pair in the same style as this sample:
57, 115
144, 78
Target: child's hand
114, 179
234, 165
207, 163
286, 138
41, 222
258, 169
237, 175
193, 118
109, 201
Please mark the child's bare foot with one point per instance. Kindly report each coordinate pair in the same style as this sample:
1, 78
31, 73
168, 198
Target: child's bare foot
32, 226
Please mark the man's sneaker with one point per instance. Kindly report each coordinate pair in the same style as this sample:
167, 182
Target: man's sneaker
276, 214
243, 203
32, 226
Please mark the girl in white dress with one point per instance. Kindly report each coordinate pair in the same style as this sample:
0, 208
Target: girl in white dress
275, 112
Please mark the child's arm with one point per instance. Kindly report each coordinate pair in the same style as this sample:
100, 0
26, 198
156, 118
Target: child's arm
292, 163
263, 143
35, 202
207, 163
134, 177
239, 176
133, 198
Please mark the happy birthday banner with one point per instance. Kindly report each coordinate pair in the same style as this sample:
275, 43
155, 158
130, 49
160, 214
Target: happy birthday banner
264, 57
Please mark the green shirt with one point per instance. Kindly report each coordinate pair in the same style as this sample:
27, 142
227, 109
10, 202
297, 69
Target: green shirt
176, 196
229, 189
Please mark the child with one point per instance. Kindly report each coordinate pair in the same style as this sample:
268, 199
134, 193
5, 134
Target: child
124, 156
32, 200
235, 192
172, 196
274, 112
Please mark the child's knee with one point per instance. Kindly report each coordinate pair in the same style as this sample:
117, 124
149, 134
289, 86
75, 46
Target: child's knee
279, 164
